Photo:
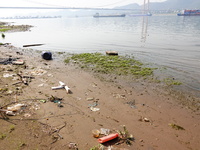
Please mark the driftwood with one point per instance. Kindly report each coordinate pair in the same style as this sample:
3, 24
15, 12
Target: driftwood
29, 45
24, 79
54, 131
3, 114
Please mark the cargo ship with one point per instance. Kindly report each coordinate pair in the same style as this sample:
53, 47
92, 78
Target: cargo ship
115, 15
189, 13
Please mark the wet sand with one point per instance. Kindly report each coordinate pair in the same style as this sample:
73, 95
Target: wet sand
146, 109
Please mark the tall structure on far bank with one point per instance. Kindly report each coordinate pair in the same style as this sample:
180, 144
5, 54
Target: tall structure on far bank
145, 7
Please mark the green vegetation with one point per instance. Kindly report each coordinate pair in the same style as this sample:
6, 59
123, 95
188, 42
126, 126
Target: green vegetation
12, 128
4, 29
125, 136
2, 136
171, 81
97, 147
106, 64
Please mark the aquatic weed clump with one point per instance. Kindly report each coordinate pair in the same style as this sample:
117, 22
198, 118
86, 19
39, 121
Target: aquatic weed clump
120, 65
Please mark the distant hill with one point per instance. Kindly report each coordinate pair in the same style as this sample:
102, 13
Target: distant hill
169, 4
176, 4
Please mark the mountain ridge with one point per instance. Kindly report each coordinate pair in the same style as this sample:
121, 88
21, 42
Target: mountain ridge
166, 5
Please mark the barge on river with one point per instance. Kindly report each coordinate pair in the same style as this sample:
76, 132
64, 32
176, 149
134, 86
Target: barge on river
189, 13
115, 15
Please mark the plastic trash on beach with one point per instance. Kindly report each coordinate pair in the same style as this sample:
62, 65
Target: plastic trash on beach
16, 107
94, 109
38, 72
95, 133
61, 86
73, 146
67, 89
18, 62
7, 75
104, 131
10, 113
108, 138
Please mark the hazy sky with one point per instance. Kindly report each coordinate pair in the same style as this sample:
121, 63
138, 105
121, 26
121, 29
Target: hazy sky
72, 3
63, 3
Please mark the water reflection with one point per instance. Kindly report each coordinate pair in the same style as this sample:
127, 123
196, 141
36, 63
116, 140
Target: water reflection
144, 29
169, 41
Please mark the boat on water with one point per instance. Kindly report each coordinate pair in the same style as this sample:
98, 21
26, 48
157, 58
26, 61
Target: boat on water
114, 15
189, 13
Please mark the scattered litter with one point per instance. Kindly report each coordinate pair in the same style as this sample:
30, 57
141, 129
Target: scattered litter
10, 113
146, 120
24, 79
7, 75
40, 85
18, 62
94, 104
119, 96
16, 107
27, 115
73, 146
59, 104
35, 107
50, 75
90, 98
108, 138
56, 100
175, 126
131, 104
104, 131
61, 86
67, 89
38, 72
43, 100
125, 136
47, 55
94, 109
95, 133
6, 61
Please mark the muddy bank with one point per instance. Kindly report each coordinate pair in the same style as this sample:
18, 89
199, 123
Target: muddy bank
151, 113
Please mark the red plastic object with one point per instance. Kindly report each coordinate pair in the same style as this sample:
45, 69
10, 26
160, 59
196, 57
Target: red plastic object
108, 138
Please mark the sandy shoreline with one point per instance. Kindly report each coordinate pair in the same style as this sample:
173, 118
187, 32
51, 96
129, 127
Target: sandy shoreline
120, 103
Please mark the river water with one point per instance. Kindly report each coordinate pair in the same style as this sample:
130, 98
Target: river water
172, 42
